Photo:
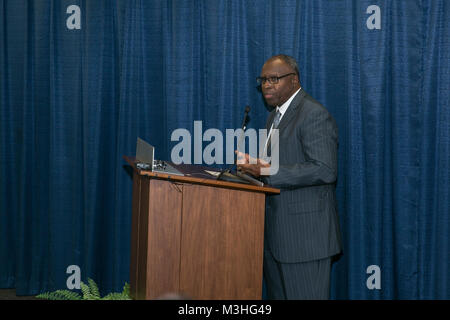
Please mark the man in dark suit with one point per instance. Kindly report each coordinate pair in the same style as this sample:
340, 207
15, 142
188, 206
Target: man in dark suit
301, 223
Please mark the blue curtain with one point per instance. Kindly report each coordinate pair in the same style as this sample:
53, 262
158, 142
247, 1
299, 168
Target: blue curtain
73, 101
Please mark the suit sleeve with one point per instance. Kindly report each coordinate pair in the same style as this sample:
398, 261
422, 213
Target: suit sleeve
318, 141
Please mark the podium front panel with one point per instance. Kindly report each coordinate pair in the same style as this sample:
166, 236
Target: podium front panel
221, 243
196, 240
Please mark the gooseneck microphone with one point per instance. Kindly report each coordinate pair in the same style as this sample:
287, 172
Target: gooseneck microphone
244, 124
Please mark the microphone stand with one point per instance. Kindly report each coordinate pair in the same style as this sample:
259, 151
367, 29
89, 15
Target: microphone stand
244, 122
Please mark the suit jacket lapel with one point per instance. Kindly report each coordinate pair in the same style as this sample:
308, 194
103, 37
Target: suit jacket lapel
296, 103
270, 119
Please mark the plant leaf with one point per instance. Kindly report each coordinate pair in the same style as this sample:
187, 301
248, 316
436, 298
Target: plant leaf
93, 288
60, 295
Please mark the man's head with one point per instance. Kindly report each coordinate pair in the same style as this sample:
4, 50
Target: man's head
279, 79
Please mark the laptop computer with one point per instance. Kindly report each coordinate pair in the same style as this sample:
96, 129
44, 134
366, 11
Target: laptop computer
145, 155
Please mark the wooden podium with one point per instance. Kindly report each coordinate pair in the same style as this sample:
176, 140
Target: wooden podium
195, 236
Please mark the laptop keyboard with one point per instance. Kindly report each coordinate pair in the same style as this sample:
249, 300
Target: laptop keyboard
163, 167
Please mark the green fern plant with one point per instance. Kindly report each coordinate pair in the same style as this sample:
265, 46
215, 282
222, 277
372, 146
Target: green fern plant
89, 292
60, 295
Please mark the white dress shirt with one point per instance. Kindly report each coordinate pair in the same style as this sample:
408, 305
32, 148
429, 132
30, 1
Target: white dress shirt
282, 111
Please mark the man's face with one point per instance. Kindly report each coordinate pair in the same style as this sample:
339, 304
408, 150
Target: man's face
279, 93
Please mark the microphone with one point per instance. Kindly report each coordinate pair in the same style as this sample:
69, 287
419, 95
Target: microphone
244, 124
247, 110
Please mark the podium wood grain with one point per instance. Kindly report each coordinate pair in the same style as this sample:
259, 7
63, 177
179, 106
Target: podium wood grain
221, 248
201, 239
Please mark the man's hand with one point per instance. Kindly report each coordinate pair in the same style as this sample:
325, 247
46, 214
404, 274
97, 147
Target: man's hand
248, 164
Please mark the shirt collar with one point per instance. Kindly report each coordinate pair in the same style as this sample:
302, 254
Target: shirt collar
285, 105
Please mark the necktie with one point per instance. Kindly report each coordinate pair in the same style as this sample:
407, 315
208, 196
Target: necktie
275, 123
276, 120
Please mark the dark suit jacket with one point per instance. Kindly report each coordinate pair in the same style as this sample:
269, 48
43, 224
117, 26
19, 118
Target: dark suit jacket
301, 223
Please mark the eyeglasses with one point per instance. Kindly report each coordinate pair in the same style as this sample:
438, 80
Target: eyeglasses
272, 80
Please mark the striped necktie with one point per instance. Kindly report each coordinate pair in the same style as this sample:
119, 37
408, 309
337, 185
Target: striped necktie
276, 120
275, 123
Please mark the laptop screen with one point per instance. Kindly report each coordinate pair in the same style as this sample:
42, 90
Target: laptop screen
145, 152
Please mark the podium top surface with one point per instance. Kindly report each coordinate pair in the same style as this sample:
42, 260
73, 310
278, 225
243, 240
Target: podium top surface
196, 174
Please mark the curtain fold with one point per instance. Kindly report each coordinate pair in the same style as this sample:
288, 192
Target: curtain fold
434, 193
73, 102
